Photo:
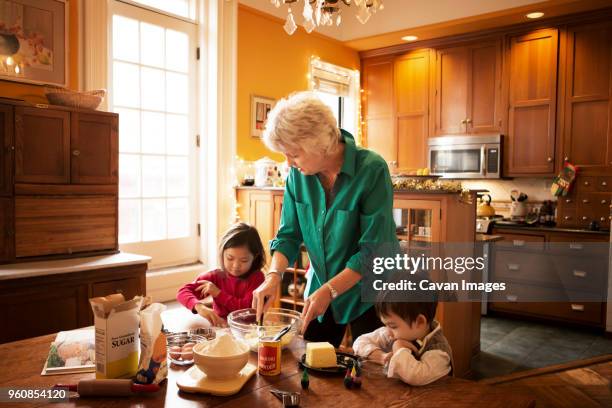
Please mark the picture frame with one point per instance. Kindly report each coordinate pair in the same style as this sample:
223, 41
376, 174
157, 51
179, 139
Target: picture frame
34, 41
260, 109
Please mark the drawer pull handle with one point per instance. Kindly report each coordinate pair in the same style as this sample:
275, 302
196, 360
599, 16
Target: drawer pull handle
577, 308
518, 242
514, 267
586, 183
567, 217
76, 152
512, 298
584, 218
568, 200
603, 201
585, 201
576, 246
579, 274
604, 183
602, 219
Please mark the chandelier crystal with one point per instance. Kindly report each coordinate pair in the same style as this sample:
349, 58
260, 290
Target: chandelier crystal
318, 13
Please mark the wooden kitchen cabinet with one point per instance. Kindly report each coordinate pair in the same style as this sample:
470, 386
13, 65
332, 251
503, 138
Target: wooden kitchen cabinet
422, 220
7, 150
586, 127
532, 90
42, 145
378, 109
468, 89
42, 304
7, 229
94, 144
411, 81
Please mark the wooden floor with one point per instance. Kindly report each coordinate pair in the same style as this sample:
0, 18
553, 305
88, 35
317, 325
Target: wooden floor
583, 384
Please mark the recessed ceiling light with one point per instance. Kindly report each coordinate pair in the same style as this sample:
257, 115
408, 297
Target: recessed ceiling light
410, 38
536, 14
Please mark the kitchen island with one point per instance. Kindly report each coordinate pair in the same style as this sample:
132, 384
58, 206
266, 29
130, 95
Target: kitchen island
23, 360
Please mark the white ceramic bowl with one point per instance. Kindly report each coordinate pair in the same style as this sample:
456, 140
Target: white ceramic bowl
219, 368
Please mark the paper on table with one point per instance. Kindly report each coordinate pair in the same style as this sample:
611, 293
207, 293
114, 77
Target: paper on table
71, 352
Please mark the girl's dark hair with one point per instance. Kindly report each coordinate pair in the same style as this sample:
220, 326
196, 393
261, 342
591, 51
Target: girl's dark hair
242, 234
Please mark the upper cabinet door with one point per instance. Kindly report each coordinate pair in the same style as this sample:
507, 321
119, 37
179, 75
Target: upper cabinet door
42, 146
484, 112
412, 109
587, 127
451, 91
94, 148
379, 110
532, 90
7, 146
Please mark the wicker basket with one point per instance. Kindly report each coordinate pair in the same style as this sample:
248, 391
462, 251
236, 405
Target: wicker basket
67, 97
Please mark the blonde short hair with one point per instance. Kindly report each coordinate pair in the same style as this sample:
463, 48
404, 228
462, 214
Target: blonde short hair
301, 121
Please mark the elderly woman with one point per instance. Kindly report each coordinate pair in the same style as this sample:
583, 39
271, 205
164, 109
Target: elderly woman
338, 200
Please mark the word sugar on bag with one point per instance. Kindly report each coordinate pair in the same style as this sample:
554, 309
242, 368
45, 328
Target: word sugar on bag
116, 324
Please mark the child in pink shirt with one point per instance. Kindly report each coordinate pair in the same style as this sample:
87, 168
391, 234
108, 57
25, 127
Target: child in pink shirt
242, 256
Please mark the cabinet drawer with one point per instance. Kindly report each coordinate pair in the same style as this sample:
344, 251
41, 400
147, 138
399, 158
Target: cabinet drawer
585, 312
520, 241
64, 225
128, 287
526, 267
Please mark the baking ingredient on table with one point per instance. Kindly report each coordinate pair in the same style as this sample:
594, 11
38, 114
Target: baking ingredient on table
269, 356
153, 364
305, 381
320, 355
223, 345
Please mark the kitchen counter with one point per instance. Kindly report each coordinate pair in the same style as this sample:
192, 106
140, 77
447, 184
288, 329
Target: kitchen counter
485, 238
44, 268
17, 370
550, 229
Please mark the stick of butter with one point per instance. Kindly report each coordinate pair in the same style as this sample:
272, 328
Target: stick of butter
320, 355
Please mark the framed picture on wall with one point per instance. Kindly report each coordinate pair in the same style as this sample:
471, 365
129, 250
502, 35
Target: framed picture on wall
260, 108
33, 41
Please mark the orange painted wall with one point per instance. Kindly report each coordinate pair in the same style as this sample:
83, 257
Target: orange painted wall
36, 93
274, 64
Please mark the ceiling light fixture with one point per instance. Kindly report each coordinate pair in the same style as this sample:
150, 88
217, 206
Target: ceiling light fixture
535, 14
410, 38
326, 12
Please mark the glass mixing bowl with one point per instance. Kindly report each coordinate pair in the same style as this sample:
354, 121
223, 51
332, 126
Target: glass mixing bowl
243, 325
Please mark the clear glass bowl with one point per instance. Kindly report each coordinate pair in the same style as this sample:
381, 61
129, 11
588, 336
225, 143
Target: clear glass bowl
180, 347
244, 327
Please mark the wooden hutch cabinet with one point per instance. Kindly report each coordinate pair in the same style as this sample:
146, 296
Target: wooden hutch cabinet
468, 89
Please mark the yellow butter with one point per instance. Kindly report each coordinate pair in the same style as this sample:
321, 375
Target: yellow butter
321, 354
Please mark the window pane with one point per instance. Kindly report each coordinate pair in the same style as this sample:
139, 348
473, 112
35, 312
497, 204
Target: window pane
125, 38
153, 219
177, 96
151, 45
177, 51
152, 88
177, 134
126, 84
153, 135
129, 180
178, 7
153, 176
129, 221
178, 218
129, 130
178, 176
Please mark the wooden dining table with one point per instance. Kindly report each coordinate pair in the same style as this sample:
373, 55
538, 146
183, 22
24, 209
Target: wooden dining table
21, 363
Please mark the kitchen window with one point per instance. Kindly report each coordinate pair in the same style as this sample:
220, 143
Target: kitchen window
153, 82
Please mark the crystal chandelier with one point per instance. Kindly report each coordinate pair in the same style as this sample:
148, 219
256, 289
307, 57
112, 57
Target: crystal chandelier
326, 12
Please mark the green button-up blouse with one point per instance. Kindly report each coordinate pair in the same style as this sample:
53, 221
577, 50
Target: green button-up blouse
336, 238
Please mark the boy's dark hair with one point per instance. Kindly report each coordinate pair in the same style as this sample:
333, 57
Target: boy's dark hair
420, 302
243, 234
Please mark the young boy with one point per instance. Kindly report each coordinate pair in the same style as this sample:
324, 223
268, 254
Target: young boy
411, 343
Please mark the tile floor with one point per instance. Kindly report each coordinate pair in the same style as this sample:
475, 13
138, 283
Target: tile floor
509, 346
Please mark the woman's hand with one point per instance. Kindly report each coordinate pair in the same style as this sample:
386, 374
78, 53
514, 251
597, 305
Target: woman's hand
315, 305
265, 294
208, 288
209, 315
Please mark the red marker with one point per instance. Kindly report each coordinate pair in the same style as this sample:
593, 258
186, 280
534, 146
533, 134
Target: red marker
108, 388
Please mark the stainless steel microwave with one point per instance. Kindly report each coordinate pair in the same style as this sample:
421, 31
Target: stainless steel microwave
466, 157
